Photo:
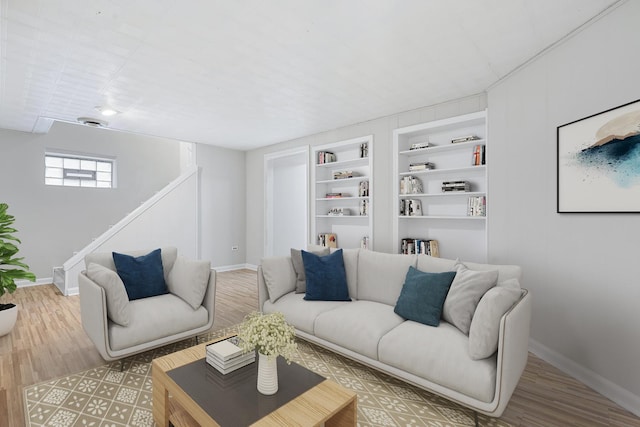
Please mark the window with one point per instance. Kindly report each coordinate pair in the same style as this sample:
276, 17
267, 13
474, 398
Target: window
72, 170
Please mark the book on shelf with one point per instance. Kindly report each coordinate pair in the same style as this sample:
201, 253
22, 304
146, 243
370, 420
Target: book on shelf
465, 138
343, 174
478, 157
419, 145
328, 240
410, 207
420, 246
410, 185
449, 186
421, 166
335, 195
364, 150
364, 207
477, 206
326, 157
363, 189
339, 212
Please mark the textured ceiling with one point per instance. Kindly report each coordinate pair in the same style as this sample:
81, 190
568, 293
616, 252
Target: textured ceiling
249, 73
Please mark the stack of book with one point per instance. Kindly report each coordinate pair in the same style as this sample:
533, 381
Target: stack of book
448, 186
226, 356
420, 166
343, 174
465, 138
328, 240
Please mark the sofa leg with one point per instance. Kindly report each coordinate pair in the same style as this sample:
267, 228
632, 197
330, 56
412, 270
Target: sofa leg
475, 416
197, 340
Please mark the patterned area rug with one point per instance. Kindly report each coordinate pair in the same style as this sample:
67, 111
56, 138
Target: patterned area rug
104, 396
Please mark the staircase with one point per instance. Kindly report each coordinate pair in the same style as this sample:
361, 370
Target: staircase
169, 218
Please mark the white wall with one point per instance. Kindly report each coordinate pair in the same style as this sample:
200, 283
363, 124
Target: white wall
381, 129
222, 206
53, 222
581, 268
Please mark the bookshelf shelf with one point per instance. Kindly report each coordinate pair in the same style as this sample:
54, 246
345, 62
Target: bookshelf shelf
438, 215
355, 155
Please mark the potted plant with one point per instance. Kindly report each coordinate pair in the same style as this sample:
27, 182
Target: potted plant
11, 269
271, 336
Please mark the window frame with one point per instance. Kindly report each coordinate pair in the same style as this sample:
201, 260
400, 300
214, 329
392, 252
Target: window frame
67, 173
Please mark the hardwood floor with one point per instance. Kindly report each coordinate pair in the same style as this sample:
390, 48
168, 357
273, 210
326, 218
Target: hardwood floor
49, 342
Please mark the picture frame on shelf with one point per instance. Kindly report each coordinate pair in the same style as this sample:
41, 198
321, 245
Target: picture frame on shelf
598, 162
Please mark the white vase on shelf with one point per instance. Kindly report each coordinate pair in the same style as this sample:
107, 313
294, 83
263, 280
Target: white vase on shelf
267, 374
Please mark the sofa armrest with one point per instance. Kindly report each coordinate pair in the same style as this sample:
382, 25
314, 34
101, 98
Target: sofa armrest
209, 301
263, 293
513, 350
93, 311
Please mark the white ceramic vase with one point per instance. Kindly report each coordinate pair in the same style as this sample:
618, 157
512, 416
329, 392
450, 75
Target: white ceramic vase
8, 320
267, 374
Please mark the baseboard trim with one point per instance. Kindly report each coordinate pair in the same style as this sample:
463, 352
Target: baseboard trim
233, 267
73, 291
605, 387
38, 282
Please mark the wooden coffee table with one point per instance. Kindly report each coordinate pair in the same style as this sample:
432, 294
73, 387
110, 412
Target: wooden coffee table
327, 402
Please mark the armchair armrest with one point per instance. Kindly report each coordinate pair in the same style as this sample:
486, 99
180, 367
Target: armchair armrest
209, 301
93, 311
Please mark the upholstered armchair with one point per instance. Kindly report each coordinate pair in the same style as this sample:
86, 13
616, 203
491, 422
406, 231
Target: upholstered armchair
126, 310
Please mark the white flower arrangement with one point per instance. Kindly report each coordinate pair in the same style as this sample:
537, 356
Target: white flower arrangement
270, 334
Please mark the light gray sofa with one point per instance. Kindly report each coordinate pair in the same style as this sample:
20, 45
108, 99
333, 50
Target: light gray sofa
367, 329
153, 321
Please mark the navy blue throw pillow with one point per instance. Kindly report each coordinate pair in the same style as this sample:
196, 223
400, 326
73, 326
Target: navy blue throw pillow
142, 276
422, 296
326, 277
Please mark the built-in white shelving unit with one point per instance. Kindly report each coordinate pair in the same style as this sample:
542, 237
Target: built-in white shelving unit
355, 193
442, 216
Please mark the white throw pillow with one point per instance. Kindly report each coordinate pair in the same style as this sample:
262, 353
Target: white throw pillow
188, 279
464, 294
114, 290
485, 326
279, 276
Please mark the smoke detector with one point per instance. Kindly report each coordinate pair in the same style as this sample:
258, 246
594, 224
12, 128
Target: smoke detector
93, 122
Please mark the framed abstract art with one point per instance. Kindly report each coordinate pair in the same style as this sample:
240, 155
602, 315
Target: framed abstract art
599, 162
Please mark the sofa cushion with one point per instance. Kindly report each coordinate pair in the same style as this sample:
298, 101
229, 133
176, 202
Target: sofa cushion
350, 258
298, 266
279, 276
189, 279
423, 295
115, 293
357, 326
300, 313
435, 265
439, 355
381, 276
326, 277
143, 276
505, 272
485, 325
466, 290
168, 254
155, 318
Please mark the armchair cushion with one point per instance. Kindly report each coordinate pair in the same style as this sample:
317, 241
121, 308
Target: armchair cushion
115, 293
188, 279
143, 276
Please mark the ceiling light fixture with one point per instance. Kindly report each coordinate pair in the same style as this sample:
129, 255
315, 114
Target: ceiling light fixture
90, 121
107, 111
